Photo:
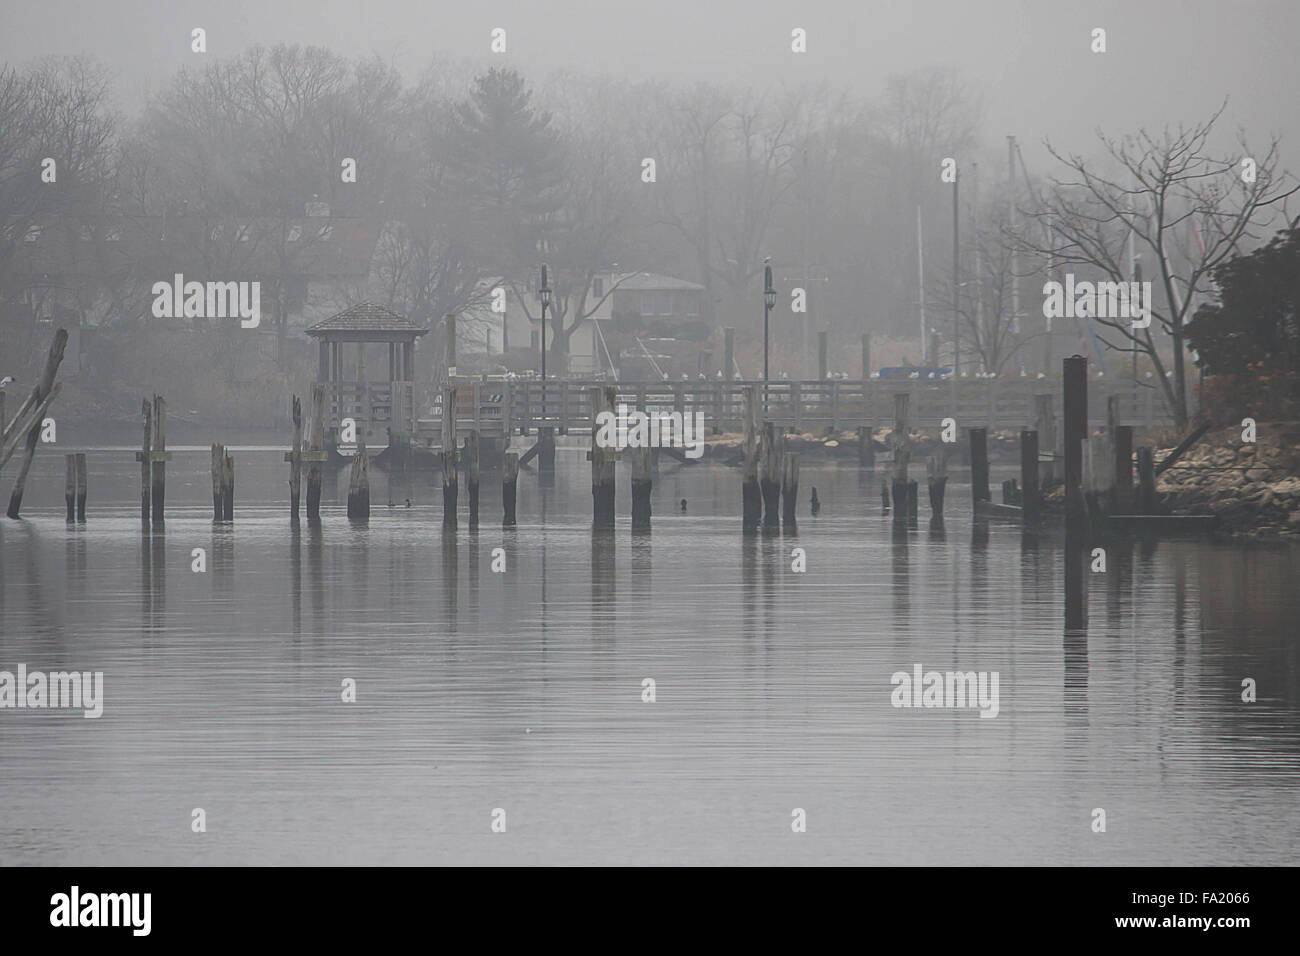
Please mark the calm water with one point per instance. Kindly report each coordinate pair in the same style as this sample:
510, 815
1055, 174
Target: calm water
522, 690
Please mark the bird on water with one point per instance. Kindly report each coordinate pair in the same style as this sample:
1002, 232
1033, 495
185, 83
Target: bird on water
683, 506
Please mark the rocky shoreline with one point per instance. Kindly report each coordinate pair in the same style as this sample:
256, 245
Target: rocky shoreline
1253, 488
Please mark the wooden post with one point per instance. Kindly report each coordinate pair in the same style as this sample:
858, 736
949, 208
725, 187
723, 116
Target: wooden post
752, 500
451, 342
937, 479
884, 496
158, 461
641, 485
228, 488
472, 476
866, 357
145, 448
866, 451
546, 448
447, 458
295, 458
359, 486
822, 344
603, 463
913, 505
902, 454
1123, 468
979, 467
789, 488
1045, 425
1146, 468
81, 487
1075, 373
316, 451
70, 486
509, 485
218, 465
1032, 504
728, 354
770, 475
42, 394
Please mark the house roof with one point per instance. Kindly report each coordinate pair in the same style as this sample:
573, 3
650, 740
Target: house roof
653, 282
367, 317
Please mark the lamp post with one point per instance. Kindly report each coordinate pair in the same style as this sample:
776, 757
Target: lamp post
769, 300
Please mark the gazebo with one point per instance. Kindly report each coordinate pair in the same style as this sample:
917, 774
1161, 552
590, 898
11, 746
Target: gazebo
376, 405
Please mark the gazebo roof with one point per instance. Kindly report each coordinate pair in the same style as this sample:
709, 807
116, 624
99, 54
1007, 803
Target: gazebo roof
367, 318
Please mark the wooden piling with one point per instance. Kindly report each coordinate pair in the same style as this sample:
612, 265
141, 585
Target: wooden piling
751, 495
42, 394
913, 505
546, 448
1045, 425
315, 452
866, 450
295, 462
145, 448
1146, 493
822, 349
509, 486
228, 489
70, 486
902, 456
603, 463
218, 465
472, 476
447, 459
158, 461
359, 486
81, 486
1075, 374
639, 458
1123, 468
770, 475
937, 480
1032, 500
979, 467
866, 357
789, 488
728, 354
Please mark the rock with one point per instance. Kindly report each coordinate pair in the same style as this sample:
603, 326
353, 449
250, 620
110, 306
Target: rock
1257, 474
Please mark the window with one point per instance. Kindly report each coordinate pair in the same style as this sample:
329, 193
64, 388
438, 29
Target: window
665, 303
692, 303
647, 303
598, 287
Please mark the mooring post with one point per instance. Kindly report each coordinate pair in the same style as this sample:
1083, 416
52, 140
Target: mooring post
902, 454
447, 458
823, 339
603, 462
359, 486
218, 465
1045, 425
1075, 375
315, 451
751, 496
1146, 493
472, 476
70, 486
913, 504
146, 447
294, 457
1123, 468
158, 484
1032, 501
770, 475
228, 489
639, 458
936, 468
789, 488
979, 467
81, 486
884, 496
866, 451
509, 486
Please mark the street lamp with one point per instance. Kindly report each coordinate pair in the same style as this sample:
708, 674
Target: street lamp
769, 300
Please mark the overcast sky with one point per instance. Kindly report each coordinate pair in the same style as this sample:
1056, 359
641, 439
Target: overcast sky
1168, 60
